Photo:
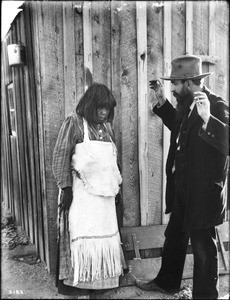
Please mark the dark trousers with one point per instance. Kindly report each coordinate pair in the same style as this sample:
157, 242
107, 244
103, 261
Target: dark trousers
204, 247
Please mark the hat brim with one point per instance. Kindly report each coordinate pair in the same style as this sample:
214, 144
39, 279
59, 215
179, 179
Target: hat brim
186, 78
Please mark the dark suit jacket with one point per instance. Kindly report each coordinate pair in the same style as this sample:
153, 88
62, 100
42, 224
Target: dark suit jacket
206, 164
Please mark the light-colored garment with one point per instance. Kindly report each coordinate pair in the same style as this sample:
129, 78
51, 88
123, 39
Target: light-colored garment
70, 134
96, 162
96, 252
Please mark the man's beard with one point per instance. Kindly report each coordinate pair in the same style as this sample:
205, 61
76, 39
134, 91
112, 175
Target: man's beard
184, 100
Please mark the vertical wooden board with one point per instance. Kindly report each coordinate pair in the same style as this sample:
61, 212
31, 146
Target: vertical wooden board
18, 121
220, 79
221, 76
6, 73
5, 148
32, 11
87, 44
6, 178
101, 42
167, 69
69, 57
31, 123
130, 187
189, 27
201, 29
155, 126
30, 138
4, 169
141, 23
9, 79
178, 29
5, 61
28, 119
212, 42
115, 34
79, 53
9, 40
22, 150
28, 133
50, 24
16, 189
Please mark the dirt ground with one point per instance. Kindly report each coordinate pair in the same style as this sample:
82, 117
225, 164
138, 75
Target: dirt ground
27, 277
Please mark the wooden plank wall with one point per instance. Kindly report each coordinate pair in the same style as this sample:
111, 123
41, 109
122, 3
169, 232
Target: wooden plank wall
47, 20
23, 154
155, 39
129, 113
37, 157
71, 43
141, 23
167, 63
6, 164
167, 37
101, 42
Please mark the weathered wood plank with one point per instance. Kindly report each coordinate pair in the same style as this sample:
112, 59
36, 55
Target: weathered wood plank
146, 237
33, 92
201, 29
115, 71
212, 41
130, 186
167, 68
18, 140
115, 84
221, 76
87, 44
16, 195
189, 27
178, 28
6, 167
27, 138
101, 36
79, 52
23, 148
141, 20
36, 162
69, 57
154, 123
50, 27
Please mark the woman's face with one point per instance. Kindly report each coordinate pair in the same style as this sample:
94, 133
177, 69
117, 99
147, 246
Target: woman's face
101, 114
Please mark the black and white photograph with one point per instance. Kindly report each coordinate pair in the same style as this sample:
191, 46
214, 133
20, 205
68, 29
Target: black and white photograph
115, 149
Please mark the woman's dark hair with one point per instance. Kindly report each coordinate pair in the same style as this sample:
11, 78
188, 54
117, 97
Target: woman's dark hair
96, 96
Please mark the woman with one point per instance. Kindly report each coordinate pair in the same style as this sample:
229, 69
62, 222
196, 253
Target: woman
85, 168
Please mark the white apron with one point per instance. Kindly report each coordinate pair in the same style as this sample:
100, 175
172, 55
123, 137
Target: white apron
95, 244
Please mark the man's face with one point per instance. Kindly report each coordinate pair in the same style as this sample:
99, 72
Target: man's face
183, 95
179, 90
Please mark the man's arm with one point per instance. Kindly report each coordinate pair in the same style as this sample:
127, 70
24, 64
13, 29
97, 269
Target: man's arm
163, 108
215, 129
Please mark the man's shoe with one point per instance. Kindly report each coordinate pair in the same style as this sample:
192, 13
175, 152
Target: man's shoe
149, 286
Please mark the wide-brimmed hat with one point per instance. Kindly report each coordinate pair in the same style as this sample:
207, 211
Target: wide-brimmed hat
186, 67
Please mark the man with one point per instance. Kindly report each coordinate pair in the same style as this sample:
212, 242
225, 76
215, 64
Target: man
196, 172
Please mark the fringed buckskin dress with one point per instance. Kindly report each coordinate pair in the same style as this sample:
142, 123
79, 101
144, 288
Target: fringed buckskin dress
96, 257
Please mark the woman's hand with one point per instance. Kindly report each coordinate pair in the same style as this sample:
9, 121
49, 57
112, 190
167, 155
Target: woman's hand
66, 199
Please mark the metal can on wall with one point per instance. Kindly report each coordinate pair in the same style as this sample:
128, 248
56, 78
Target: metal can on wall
16, 54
